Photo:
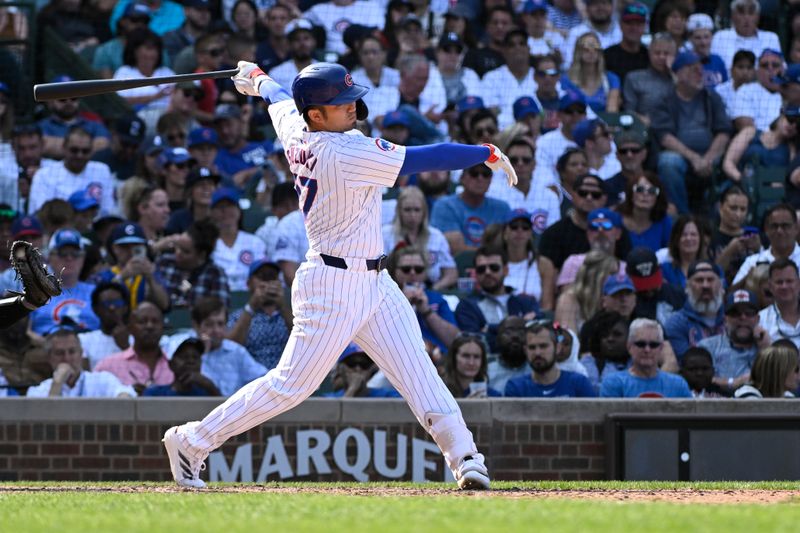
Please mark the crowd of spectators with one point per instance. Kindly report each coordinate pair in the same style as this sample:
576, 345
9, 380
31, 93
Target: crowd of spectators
649, 248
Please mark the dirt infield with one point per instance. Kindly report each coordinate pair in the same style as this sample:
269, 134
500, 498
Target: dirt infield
722, 496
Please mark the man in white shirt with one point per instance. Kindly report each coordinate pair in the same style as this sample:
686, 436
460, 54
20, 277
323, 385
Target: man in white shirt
594, 138
743, 72
780, 225
600, 22
759, 103
504, 85
744, 35
17, 172
541, 40
781, 319
69, 380
301, 47
381, 80
73, 173
110, 302
551, 145
337, 15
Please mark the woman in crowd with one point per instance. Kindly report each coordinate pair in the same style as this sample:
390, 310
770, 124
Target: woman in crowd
671, 17
588, 76
775, 374
644, 212
606, 346
523, 270
411, 228
751, 148
687, 244
200, 185
147, 205
174, 168
381, 80
582, 300
570, 165
757, 282
244, 20
465, 368
142, 59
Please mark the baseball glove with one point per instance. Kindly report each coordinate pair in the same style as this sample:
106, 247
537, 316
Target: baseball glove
39, 284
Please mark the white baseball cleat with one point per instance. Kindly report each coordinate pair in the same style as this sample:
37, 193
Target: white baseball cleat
472, 473
185, 470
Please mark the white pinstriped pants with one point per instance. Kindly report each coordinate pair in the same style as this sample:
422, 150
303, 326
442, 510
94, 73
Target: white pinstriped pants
333, 306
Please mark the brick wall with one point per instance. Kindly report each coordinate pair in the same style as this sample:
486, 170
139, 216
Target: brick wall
87, 440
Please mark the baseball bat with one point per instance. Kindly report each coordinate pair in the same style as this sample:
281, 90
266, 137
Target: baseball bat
77, 89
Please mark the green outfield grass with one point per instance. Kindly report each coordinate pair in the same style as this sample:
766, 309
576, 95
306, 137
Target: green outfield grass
381, 507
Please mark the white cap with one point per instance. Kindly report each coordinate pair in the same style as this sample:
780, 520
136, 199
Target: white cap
699, 21
297, 24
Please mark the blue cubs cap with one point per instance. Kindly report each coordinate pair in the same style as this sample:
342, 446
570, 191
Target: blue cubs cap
771, 51
199, 174
704, 266
66, 237
28, 225
635, 12
351, 349
469, 102
130, 129
570, 99
532, 6
174, 156
605, 213
616, 283
200, 136
584, 130
741, 298
137, 10
81, 200
518, 214
396, 118
684, 59
128, 233
225, 193
525, 106
792, 75
258, 263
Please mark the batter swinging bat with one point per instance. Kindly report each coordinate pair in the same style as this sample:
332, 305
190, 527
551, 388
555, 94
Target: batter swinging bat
77, 89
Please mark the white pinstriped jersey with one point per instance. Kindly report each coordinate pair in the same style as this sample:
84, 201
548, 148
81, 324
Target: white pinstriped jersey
55, 181
339, 178
291, 241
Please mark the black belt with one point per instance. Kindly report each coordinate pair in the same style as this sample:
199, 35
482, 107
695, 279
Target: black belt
372, 264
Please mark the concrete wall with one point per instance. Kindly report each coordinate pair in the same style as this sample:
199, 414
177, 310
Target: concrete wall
81, 439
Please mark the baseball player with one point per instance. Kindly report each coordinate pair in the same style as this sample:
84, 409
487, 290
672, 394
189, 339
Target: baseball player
341, 293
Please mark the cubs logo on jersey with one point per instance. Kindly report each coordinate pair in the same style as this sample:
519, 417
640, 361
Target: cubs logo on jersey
385, 145
246, 257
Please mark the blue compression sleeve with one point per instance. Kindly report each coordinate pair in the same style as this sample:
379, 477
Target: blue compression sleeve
272, 92
444, 156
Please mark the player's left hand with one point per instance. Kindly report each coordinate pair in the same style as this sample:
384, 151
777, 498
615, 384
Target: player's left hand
499, 161
248, 78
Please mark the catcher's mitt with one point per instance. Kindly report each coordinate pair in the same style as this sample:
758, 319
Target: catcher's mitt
39, 284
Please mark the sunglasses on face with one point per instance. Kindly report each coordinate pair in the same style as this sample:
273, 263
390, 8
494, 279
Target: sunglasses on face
604, 225
484, 175
519, 226
80, 151
779, 227
520, 160
215, 52
794, 121
180, 166
770, 64
647, 344
417, 269
362, 364
494, 267
630, 151
646, 189
412, 210
574, 111
594, 195
487, 131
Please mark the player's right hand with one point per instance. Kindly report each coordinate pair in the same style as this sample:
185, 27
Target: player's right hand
499, 161
248, 78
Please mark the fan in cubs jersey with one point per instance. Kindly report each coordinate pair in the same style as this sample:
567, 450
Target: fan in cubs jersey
341, 293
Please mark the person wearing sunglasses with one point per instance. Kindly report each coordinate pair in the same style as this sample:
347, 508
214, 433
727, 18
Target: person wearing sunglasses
644, 378
644, 212
594, 138
552, 145
408, 267
603, 232
351, 375
74, 172
174, 169
546, 379
209, 51
123, 154
547, 74
67, 252
65, 115
735, 349
631, 154
492, 301
110, 302
752, 150
483, 127
702, 315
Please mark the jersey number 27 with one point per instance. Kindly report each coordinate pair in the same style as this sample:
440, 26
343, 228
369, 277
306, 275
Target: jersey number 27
307, 190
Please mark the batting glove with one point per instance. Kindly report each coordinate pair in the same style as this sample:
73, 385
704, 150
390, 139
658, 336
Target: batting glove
249, 78
499, 161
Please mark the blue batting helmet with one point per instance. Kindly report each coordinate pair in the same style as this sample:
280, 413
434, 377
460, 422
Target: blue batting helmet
327, 84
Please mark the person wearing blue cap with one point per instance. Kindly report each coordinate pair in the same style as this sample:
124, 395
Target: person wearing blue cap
735, 349
552, 145
759, 104
693, 129
603, 231
262, 325
744, 33
542, 40
73, 172
594, 137
351, 374
85, 207
236, 249
528, 114
503, 85
395, 127
66, 255
64, 115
